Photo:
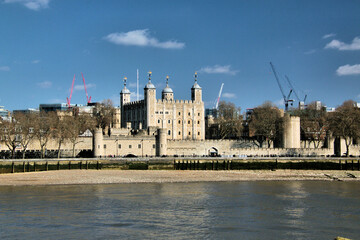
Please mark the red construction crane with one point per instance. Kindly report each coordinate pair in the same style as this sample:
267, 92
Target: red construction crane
88, 99
68, 100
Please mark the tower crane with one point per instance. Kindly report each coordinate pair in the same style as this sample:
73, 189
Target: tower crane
287, 99
297, 96
218, 99
88, 99
68, 99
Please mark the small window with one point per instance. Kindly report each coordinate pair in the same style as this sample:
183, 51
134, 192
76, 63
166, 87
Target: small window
98, 146
189, 122
169, 121
179, 113
179, 133
169, 132
104, 146
119, 146
159, 121
166, 112
161, 112
130, 146
154, 146
189, 114
198, 114
198, 133
139, 145
189, 133
198, 122
179, 121
157, 112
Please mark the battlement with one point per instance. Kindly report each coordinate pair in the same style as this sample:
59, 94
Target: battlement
133, 103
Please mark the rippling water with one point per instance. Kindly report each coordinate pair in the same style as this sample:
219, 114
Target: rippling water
242, 210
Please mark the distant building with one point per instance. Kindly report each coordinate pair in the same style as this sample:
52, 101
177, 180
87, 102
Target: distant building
5, 114
56, 107
26, 111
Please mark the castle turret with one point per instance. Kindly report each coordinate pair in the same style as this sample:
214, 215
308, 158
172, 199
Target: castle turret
98, 143
196, 92
291, 132
150, 103
161, 142
167, 92
124, 99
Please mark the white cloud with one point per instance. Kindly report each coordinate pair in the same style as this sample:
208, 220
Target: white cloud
133, 96
31, 4
133, 85
142, 38
35, 61
45, 84
218, 69
348, 70
336, 44
329, 35
4, 68
229, 95
81, 86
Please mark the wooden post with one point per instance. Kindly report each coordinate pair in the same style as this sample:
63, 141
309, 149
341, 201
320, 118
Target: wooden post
69, 165
340, 166
345, 164
352, 165
212, 165
58, 165
224, 165
276, 163
87, 165
174, 164
187, 164
24, 168
358, 165
28, 166
80, 165
97, 165
198, 165
47, 166
34, 166
217, 165
12, 167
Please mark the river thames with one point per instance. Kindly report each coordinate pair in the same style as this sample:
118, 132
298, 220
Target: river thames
212, 210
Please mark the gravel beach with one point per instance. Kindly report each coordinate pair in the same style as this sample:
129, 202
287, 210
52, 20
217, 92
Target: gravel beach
163, 176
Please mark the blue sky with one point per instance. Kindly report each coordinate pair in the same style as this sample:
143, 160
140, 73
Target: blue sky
43, 43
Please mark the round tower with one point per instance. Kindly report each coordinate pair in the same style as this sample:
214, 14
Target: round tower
167, 92
150, 103
98, 143
124, 99
161, 142
196, 92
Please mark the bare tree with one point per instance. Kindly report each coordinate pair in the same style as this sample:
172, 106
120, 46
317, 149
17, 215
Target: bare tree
60, 133
313, 124
26, 134
264, 123
230, 120
9, 131
345, 123
43, 129
76, 125
104, 114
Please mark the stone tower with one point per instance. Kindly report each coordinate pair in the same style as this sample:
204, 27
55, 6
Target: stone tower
150, 103
167, 93
124, 99
196, 92
291, 132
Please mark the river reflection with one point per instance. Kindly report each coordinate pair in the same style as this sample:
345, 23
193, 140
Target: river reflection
242, 210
